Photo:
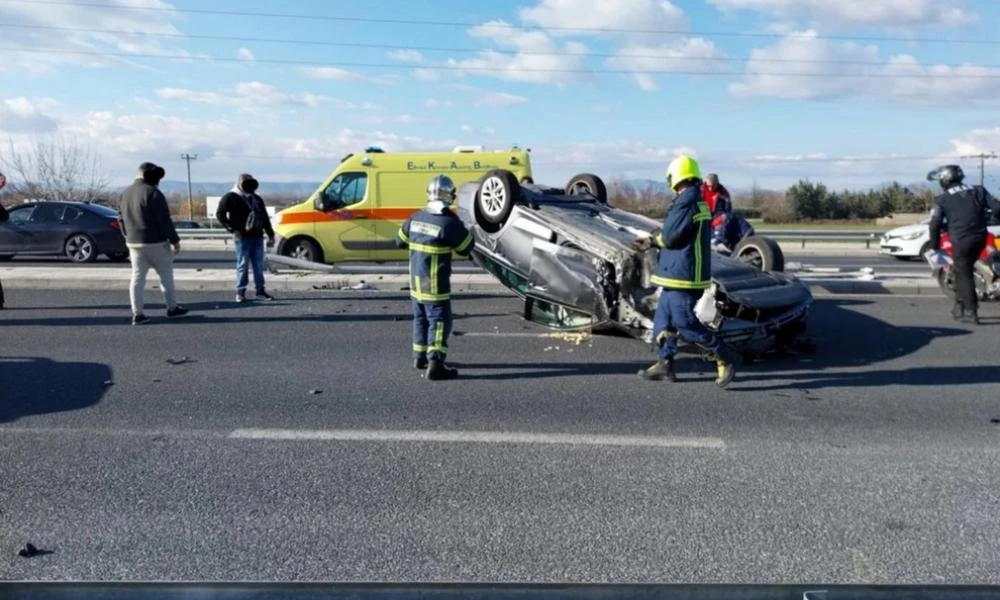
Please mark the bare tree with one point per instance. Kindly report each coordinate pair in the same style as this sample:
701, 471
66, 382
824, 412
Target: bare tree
55, 169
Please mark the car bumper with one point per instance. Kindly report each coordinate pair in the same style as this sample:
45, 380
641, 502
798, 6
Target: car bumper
111, 242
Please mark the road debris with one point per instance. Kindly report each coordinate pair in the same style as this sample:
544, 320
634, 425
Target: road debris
30, 551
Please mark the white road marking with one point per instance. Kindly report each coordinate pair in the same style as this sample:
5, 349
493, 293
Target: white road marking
478, 437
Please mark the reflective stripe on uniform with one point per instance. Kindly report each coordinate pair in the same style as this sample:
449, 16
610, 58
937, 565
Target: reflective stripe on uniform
438, 345
679, 283
428, 249
419, 348
434, 274
416, 294
403, 236
465, 243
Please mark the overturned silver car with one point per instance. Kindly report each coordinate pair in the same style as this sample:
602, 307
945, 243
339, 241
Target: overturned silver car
570, 257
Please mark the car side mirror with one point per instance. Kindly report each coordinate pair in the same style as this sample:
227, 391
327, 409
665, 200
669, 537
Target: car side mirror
324, 203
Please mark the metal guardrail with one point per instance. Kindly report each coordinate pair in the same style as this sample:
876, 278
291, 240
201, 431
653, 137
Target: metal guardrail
804, 236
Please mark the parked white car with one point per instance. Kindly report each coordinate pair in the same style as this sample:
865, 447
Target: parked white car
908, 241
912, 241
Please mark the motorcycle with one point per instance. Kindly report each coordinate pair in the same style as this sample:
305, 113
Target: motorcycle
986, 273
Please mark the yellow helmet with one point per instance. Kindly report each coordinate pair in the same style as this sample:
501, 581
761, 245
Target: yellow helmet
681, 169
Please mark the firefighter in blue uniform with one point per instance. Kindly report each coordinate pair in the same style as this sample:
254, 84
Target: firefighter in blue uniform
432, 235
684, 273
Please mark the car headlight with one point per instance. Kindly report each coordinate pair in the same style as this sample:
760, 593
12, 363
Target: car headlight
911, 236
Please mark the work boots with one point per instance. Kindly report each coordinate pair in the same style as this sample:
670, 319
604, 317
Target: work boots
420, 362
725, 366
436, 370
659, 370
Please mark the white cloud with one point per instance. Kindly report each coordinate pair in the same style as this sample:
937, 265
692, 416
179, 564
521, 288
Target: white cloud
248, 96
245, 54
686, 54
982, 140
127, 18
404, 119
435, 103
410, 56
424, 74
892, 13
466, 128
603, 14
338, 74
498, 99
536, 57
828, 70
22, 115
610, 156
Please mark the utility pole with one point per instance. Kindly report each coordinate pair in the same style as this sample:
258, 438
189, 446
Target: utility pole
189, 158
982, 156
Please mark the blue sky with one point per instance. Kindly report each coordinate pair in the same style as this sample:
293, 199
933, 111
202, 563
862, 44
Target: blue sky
759, 90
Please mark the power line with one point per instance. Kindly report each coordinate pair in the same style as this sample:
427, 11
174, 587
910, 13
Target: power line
459, 67
983, 157
300, 42
430, 23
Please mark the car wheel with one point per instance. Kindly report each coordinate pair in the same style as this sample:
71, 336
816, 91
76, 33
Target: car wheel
80, 248
498, 192
590, 184
304, 249
761, 252
118, 256
923, 250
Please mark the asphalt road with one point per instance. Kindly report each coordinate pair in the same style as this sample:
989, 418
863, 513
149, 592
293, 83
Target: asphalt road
292, 441
222, 260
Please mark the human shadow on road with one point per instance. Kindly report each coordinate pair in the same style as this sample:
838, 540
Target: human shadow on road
911, 376
847, 337
35, 386
212, 317
535, 370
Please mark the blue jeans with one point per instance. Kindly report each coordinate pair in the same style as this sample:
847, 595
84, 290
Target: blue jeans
249, 252
675, 317
431, 328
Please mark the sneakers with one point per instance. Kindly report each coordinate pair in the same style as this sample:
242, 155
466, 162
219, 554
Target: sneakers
661, 369
265, 296
176, 311
241, 298
437, 371
139, 319
971, 317
958, 311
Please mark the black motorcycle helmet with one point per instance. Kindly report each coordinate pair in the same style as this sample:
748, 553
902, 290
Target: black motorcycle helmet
948, 176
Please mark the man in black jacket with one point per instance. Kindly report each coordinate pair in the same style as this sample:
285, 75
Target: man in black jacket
963, 211
3, 218
242, 212
149, 234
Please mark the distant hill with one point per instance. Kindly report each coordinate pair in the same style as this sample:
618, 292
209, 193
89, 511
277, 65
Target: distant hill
209, 188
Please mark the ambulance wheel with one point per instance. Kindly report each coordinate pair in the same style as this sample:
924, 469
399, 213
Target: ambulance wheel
304, 249
760, 252
589, 184
498, 191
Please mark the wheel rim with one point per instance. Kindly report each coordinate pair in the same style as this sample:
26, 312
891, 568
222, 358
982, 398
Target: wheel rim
79, 248
753, 257
580, 188
493, 197
302, 253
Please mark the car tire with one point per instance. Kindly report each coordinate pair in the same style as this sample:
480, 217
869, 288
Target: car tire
117, 256
592, 183
762, 252
303, 249
498, 191
923, 250
80, 248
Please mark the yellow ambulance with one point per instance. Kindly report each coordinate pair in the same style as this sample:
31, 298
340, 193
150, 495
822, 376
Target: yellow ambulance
355, 214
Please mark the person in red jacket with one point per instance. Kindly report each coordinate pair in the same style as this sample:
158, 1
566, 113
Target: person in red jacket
716, 196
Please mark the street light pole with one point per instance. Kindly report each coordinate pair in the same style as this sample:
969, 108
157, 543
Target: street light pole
189, 158
982, 156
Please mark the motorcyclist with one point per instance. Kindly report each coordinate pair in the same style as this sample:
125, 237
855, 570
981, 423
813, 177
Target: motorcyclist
728, 227
964, 212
